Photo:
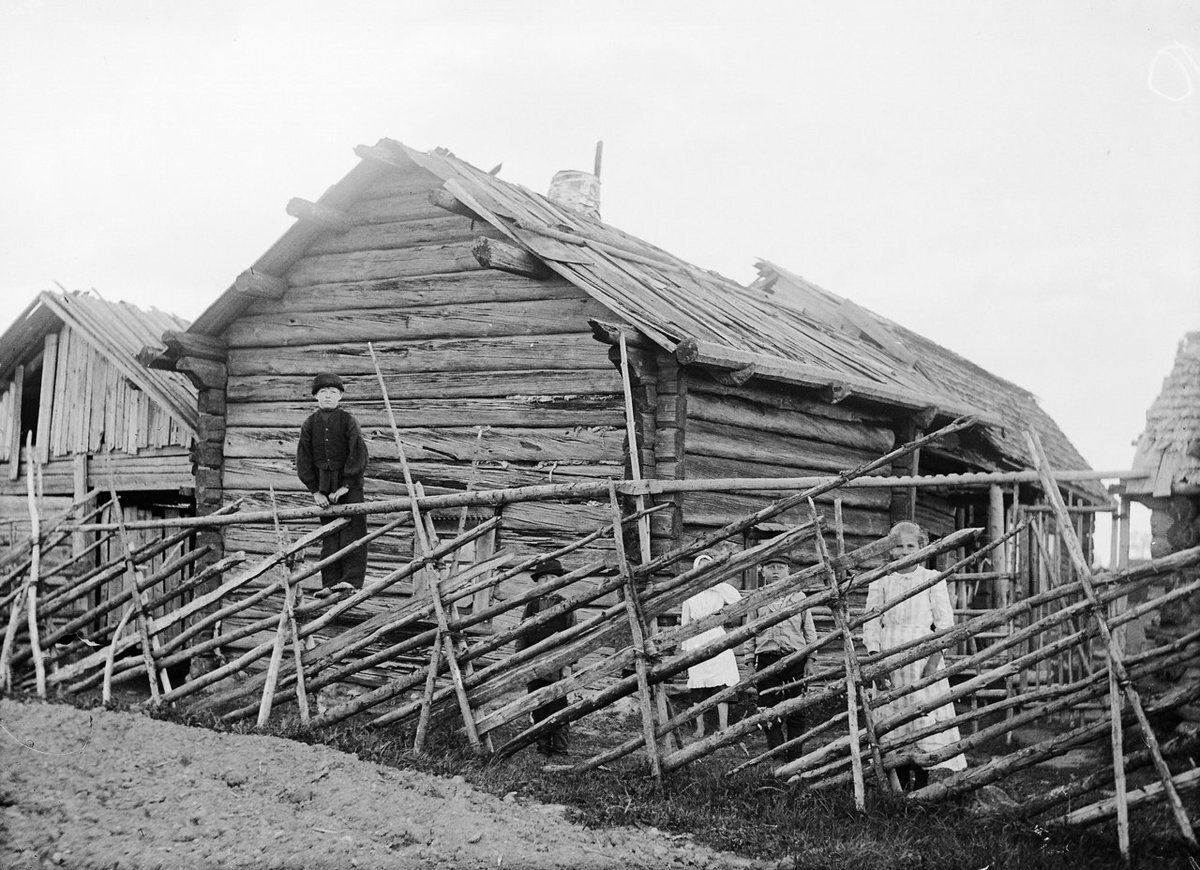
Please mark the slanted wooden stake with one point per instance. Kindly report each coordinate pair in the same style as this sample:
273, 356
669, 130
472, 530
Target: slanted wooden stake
1115, 660
35, 557
135, 595
460, 690
637, 628
854, 692
287, 618
110, 657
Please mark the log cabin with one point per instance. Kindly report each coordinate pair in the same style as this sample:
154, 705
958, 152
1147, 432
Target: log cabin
71, 386
497, 316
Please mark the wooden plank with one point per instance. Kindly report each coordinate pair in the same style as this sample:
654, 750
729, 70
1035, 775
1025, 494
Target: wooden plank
451, 288
15, 392
372, 265
527, 411
486, 319
46, 396
458, 384
515, 444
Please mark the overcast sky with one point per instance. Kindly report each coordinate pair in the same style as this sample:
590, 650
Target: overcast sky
1019, 181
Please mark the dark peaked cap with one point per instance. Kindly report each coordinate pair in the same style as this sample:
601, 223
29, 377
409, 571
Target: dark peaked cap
327, 379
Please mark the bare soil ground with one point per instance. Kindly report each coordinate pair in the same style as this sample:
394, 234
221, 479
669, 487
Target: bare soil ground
105, 789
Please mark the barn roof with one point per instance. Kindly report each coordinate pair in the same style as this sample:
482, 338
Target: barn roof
930, 360
1169, 448
117, 330
699, 315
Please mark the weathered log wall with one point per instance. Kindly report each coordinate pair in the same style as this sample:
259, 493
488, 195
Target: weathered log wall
460, 347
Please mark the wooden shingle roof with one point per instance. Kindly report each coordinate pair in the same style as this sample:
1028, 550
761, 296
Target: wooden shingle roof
117, 330
1003, 399
1168, 450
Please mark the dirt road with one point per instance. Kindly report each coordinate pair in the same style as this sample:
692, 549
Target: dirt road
99, 789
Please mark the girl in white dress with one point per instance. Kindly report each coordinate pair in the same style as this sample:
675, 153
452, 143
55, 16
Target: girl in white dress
721, 670
910, 620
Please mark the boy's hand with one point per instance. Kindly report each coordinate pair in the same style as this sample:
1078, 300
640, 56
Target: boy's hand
321, 499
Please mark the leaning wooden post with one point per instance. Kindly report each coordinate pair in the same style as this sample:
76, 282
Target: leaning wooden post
460, 690
110, 657
635, 471
638, 631
131, 581
35, 557
1116, 662
287, 620
850, 661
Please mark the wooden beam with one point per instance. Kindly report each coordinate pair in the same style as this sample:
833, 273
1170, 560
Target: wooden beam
259, 285
836, 392
736, 377
611, 333
182, 343
494, 254
204, 373
328, 218
446, 200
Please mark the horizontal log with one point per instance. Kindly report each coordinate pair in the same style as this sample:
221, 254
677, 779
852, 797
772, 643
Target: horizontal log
714, 509
531, 411
507, 257
743, 413
519, 444
507, 353
484, 319
257, 284
385, 477
328, 218
444, 199
452, 288
181, 343
404, 205
487, 383
402, 234
722, 441
388, 263
714, 468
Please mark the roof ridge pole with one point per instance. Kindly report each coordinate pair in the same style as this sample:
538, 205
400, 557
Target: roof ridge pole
1116, 661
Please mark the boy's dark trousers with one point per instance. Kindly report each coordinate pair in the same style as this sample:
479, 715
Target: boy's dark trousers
351, 568
791, 725
556, 740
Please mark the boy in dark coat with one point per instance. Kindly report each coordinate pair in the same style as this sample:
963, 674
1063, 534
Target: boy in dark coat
554, 741
330, 461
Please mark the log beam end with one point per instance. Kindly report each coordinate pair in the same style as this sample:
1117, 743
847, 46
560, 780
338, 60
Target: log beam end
320, 215
495, 254
260, 285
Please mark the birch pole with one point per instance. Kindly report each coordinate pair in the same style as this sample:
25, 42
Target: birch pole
1115, 660
419, 530
838, 608
35, 559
